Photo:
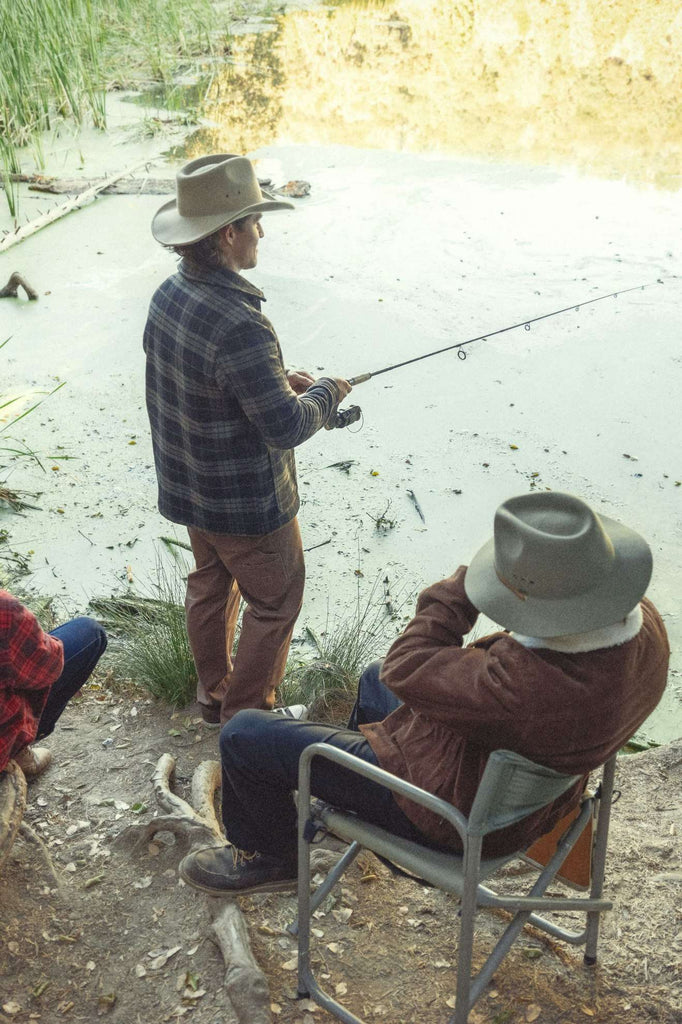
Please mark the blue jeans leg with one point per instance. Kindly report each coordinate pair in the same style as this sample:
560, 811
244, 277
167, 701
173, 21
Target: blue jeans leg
374, 701
260, 753
84, 643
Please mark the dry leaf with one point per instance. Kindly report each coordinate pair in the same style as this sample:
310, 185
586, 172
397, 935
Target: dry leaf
275, 1008
140, 971
11, 1008
290, 965
533, 1011
587, 1011
341, 988
450, 1001
333, 947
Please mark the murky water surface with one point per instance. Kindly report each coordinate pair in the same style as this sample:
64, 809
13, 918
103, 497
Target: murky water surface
594, 84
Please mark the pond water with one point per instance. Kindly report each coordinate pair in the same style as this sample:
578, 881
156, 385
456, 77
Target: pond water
590, 84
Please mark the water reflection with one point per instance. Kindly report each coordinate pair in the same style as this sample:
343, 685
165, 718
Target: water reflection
594, 84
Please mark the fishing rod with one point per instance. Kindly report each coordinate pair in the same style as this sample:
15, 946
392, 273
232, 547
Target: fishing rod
461, 354
343, 417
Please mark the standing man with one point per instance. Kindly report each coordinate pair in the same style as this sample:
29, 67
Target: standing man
225, 417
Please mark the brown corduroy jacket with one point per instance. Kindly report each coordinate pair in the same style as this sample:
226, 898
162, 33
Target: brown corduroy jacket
569, 712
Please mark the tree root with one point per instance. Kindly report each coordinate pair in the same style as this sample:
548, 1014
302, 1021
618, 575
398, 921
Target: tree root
26, 830
12, 807
198, 826
245, 983
15, 282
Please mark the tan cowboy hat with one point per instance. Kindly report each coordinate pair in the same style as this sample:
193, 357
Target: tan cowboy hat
554, 567
212, 191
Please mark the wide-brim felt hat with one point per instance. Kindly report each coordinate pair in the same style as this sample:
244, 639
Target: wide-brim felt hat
554, 567
211, 192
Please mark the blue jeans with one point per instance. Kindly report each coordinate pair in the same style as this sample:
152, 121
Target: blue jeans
260, 753
84, 643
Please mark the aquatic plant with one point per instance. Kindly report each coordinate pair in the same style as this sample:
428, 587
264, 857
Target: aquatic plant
59, 57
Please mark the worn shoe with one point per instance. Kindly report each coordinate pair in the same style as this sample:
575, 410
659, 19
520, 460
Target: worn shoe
210, 714
33, 761
227, 871
297, 711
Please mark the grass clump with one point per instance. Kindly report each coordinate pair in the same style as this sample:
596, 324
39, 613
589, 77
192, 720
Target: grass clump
148, 640
327, 684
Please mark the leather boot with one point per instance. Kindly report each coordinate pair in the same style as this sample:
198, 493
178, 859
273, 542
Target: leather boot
33, 760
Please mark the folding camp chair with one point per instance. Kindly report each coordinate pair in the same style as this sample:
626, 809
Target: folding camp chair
511, 788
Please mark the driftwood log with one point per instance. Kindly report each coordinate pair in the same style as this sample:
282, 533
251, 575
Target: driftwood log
12, 287
197, 825
129, 186
12, 807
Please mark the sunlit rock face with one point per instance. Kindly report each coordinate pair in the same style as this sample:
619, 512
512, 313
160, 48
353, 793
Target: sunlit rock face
594, 84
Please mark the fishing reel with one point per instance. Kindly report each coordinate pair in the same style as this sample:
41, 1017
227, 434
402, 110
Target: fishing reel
341, 418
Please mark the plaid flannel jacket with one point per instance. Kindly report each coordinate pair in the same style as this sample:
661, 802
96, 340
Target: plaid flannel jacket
223, 417
30, 662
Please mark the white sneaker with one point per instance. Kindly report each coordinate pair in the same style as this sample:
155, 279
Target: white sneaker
297, 711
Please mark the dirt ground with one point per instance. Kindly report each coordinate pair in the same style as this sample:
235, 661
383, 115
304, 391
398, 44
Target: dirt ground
125, 939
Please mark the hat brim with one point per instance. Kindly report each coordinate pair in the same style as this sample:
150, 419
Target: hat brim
609, 602
171, 228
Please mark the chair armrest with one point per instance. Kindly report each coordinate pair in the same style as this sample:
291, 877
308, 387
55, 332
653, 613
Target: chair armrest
380, 776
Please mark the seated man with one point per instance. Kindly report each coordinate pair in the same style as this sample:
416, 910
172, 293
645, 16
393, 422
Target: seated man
581, 664
39, 673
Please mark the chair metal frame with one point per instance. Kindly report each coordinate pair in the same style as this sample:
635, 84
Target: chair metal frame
511, 788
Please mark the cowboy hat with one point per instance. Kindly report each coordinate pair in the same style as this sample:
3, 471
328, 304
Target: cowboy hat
554, 567
211, 192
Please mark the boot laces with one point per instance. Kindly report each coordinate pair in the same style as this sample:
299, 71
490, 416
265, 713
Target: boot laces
240, 858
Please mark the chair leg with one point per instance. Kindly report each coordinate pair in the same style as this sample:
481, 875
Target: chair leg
472, 855
599, 859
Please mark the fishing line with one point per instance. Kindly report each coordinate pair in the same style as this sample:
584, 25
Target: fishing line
461, 354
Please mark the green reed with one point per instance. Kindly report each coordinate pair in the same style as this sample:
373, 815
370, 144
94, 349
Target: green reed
59, 57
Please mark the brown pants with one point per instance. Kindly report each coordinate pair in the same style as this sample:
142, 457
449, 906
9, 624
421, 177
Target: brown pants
268, 571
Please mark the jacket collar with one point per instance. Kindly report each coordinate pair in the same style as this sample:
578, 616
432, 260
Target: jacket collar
219, 277
594, 640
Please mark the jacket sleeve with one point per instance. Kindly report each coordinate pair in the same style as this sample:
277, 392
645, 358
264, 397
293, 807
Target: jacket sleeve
30, 659
470, 688
253, 369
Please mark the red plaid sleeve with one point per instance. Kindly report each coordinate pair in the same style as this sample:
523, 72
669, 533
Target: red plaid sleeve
30, 662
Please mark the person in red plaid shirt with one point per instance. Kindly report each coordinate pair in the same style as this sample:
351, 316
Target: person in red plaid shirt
39, 673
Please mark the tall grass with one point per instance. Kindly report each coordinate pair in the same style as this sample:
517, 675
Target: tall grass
327, 683
148, 637
60, 56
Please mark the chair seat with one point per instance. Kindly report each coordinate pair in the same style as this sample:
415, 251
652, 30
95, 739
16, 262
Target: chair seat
442, 869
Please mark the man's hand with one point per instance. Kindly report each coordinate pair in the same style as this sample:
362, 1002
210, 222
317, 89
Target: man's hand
300, 381
344, 387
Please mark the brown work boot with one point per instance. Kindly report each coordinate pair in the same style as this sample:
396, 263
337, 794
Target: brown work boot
33, 760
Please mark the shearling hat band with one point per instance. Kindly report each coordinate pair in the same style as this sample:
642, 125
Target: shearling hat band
554, 567
211, 192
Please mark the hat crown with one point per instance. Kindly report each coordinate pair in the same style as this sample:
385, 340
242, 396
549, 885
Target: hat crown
551, 546
216, 185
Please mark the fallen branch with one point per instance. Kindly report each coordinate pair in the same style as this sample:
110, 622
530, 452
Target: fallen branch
29, 229
15, 282
133, 186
